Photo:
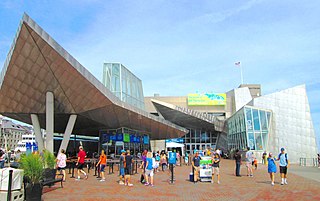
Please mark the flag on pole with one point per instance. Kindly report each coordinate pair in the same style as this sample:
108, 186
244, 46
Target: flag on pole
237, 63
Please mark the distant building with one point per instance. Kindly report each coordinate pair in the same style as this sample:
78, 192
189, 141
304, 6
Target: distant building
11, 134
123, 84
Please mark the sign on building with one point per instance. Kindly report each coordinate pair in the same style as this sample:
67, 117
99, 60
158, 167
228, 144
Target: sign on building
207, 99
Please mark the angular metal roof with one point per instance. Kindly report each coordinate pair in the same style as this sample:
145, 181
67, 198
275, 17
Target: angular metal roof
36, 63
187, 118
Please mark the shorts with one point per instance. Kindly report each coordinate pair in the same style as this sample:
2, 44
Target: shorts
61, 168
283, 169
248, 164
102, 166
215, 170
149, 172
80, 166
127, 171
197, 169
122, 171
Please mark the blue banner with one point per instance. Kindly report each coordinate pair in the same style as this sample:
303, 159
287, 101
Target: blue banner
35, 146
145, 139
177, 140
119, 137
172, 158
28, 148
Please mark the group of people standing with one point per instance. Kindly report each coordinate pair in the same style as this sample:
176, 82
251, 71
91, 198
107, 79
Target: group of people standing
272, 168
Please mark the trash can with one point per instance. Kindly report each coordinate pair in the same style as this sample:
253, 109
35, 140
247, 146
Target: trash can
191, 178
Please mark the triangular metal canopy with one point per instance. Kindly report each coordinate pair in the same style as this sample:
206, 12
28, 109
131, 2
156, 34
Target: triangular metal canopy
36, 64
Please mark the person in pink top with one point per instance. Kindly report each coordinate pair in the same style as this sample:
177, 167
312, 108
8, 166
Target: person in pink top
80, 163
61, 163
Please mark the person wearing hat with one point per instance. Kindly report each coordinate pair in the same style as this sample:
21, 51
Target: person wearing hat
196, 166
121, 166
80, 163
283, 163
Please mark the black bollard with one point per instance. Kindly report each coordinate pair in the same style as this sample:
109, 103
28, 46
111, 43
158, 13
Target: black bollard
171, 169
9, 185
73, 164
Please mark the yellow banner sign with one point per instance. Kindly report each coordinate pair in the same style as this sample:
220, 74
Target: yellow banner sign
207, 99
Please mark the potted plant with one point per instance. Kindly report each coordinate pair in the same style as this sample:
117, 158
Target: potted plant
32, 165
49, 163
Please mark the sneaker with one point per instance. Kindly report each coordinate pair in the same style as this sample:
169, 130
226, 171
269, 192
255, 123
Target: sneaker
282, 183
78, 179
218, 182
102, 180
151, 185
121, 182
272, 183
212, 182
146, 184
130, 184
285, 182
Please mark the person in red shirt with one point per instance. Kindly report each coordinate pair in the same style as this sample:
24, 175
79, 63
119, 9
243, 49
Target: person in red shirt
80, 163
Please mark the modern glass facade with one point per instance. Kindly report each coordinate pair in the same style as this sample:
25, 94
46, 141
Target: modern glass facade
249, 127
123, 84
199, 139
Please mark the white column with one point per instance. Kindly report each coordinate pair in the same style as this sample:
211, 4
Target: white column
49, 121
68, 131
37, 131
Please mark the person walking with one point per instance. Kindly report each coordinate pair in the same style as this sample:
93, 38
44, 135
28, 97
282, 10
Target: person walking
61, 163
102, 162
121, 166
80, 163
149, 170
272, 168
2, 158
318, 160
216, 167
264, 157
283, 165
249, 160
163, 161
237, 158
128, 169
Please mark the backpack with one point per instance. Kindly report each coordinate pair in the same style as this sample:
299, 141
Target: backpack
285, 156
157, 158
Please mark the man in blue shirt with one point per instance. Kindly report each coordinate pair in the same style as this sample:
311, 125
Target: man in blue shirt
196, 166
283, 163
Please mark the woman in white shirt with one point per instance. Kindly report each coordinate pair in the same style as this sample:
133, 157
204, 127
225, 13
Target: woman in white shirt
61, 163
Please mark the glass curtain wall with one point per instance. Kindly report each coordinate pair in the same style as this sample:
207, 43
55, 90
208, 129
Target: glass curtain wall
123, 84
199, 139
249, 127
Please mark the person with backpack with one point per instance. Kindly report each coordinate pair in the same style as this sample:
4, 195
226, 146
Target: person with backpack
128, 169
149, 170
283, 165
122, 166
157, 161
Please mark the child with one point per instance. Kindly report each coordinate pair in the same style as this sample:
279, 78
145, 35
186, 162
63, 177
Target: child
272, 168
255, 162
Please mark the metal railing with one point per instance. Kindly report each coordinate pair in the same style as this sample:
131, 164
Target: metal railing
309, 162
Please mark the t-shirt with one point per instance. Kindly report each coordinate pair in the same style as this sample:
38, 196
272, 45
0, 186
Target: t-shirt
237, 157
82, 154
121, 161
128, 161
283, 160
249, 156
196, 161
103, 159
61, 160
150, 165
215, 162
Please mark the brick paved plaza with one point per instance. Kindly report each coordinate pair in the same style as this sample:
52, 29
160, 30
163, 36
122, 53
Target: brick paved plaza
231, 187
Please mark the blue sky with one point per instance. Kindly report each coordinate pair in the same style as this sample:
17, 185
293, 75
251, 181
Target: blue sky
180, 47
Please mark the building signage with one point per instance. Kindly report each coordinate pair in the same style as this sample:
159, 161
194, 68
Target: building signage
126, 137
177, 140
207, 99
145, 139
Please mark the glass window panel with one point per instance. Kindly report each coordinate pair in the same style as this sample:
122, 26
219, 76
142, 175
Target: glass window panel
263, 120
256, 121
268, 117
251, 142
259, 145
249, 119
265, 139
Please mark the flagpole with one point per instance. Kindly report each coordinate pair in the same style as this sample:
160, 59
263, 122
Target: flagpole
241, 74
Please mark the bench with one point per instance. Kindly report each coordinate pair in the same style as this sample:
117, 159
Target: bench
50, 178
